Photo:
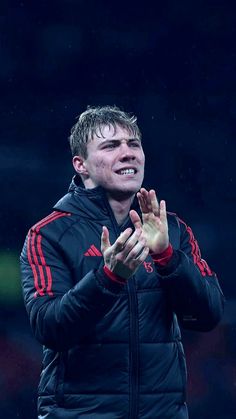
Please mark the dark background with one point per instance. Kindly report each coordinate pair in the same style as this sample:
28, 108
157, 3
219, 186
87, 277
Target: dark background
173, 64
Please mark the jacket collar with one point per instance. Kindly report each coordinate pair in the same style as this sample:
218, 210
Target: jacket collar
90, 203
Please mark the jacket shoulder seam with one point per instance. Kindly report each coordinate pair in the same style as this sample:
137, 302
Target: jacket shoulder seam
49, 220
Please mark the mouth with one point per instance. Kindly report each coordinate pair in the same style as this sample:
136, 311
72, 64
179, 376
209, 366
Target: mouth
129, 171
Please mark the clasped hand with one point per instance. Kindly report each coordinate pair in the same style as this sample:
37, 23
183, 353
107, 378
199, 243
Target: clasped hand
130, 249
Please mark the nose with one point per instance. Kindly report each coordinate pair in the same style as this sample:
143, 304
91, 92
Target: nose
126, 153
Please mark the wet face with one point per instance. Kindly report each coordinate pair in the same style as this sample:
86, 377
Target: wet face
114, 161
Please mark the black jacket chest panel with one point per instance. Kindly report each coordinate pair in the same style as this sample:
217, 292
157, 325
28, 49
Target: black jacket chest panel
82, 247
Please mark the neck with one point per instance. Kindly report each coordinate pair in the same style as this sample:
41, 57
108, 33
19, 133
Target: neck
120, 208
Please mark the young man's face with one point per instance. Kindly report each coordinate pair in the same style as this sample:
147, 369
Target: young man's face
114, 161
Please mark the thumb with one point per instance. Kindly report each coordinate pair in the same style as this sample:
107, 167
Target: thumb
105, 242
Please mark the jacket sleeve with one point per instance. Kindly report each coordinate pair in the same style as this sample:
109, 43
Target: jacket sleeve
192, 287
61, 312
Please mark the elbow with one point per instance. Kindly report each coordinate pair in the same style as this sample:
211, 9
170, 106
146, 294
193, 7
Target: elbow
214, 318
49, 333
215, 314
57, 345
204, 321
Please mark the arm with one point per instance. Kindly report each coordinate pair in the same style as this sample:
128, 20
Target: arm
61, 313
192, 288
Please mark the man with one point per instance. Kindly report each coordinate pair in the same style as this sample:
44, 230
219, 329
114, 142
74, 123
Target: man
107, 278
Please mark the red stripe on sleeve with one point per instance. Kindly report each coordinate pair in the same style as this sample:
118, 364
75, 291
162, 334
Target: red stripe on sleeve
36, 261
43, 268
196, 254
44, 219
47, 268
209, 272
33, 267
54, 216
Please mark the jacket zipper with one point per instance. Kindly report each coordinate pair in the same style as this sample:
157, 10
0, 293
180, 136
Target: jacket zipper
133, 347
134, 362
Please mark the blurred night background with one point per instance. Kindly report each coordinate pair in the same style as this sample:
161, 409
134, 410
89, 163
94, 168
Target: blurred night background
173, 64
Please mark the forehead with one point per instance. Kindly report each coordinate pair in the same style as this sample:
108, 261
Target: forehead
110, 132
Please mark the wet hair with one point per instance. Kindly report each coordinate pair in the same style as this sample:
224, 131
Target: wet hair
92, 121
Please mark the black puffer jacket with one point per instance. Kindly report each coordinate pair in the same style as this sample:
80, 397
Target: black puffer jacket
111, 351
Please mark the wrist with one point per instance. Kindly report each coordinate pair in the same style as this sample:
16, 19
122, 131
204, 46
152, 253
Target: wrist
114, 277
164, 257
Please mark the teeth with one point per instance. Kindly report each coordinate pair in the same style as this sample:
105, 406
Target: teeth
127, 172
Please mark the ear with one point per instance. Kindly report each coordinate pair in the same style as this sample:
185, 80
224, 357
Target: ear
80, 165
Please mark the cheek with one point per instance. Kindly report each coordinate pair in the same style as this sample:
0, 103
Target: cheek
101, 165
95, 162
141, 162
101, 170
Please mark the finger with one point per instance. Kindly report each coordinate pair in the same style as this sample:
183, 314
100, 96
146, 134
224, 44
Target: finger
146, 198
135, 219
141, 202
135, 252
143, 254
135, 263
128, 245
105, 242
144, 191
154, 202
122, 239
163, 216
144, 201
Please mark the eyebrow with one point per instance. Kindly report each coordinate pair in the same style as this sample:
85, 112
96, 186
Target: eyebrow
118, 140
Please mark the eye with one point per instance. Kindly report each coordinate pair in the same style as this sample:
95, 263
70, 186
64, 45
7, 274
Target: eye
110, 145
134, 144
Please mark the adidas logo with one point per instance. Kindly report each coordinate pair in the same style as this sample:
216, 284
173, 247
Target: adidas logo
93, 251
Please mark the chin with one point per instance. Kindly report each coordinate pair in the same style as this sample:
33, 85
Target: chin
124, 192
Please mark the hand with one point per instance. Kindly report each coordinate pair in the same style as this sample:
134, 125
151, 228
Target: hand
154, 221
127, 253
